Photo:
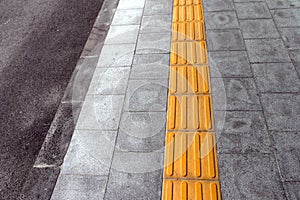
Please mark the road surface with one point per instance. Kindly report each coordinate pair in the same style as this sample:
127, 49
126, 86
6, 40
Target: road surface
40, 43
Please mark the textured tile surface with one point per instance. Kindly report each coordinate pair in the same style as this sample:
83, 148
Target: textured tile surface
158, 7
218, 5
122, 185
116, 55
259, 28
100, 112
156, 24
276, 4
292, 190
221, 20
77, 187
146, 95
250, 176
267, 50
287, 150
128, 17
291, 37
229, 64
240, 94
153, 43
150, 66
286, 17
129, 4
90, 153
109, 81
123, 34
252, 10
282, 111
137, 162
242, 132
142, 131
225, 40
276, 77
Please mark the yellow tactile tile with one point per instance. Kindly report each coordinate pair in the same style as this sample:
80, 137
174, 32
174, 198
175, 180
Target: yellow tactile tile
189, 189
193, 30
191, 165
189, 80
189, 112
193, 52
191, 155
188, 13
186, 2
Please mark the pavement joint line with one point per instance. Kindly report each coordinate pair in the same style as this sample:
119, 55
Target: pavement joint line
190, 163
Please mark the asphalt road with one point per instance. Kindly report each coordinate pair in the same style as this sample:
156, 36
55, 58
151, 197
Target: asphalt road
41, 41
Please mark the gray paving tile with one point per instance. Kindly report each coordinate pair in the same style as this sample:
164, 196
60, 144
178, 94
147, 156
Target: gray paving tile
266, 50
243, 1
158, 7
250, 176
128, 17
124, 186
101, 112
130, 4
229, 64
295, 57
109, 81
221, 20
142, 131
90, 153
153, 43
123, 34
291, 37
150, 66
76, 187
287, 17
218, 5
282, 111
276, 77
292, 190
259, 28
147, 95
230, 39
138, 162
240, 94
288, 151
156, 24
242, 132
116, 55
276, 4
252, 10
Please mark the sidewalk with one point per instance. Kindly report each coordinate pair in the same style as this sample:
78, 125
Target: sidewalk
117, 149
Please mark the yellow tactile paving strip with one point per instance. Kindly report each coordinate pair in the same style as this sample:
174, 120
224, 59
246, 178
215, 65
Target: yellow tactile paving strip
191, 164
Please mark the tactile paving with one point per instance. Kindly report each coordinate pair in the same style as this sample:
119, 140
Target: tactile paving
186, 2
191, 155
190, 189
188, 31
189, 80
188, 13
191, 164
188, 52
189, 112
